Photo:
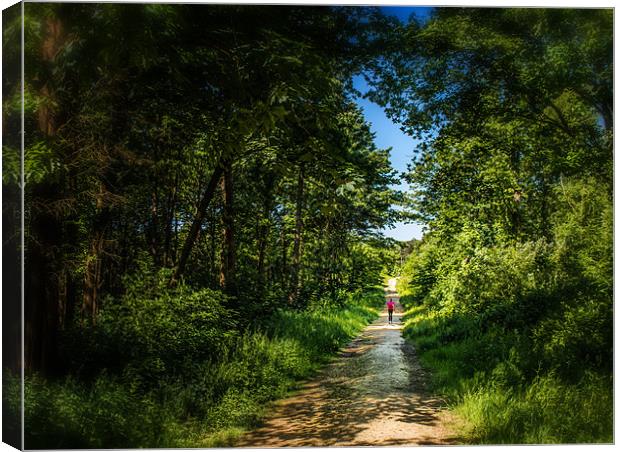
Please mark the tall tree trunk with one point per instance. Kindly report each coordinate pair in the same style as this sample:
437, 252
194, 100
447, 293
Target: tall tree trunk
41, 284
51, 45
544, 209
264, 229
154, 229
197, 223
44, 234
284, 243
297, 238
213, 266
93, 272
263, 234
515, 208
69, 299
176, 239
228, 273
170, 215
11, 274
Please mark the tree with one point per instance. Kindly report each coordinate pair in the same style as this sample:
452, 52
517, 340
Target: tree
510, 101
146, 126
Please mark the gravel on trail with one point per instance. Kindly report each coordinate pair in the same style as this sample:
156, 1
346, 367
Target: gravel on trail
373, 394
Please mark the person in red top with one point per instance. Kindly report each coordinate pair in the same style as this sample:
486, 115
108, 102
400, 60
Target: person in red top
390, 307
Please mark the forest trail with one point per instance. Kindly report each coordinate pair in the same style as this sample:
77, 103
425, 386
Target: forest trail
372, 394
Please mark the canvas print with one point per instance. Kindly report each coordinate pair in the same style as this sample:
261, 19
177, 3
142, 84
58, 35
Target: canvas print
231, 225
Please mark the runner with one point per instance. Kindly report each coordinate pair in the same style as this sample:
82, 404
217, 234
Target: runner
390, 308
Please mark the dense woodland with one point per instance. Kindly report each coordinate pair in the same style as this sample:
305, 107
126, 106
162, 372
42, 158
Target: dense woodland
192, 173
203, 199
511, 290
215, 147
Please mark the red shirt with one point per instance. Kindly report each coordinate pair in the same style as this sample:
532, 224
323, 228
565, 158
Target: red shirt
390, 305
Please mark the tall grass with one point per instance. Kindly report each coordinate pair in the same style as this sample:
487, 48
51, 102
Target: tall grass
546, 411
498, 401
519, 331
209, 405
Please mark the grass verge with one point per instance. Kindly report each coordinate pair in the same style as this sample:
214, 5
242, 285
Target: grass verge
498, 400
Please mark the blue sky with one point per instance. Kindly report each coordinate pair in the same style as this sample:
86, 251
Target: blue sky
389, 135
403, 12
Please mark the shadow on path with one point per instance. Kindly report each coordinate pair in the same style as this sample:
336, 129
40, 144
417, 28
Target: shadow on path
372, 394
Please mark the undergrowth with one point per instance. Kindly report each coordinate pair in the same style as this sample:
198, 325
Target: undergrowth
518, 331
499, 396
206, 402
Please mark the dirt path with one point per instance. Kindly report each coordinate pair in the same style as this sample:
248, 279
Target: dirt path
373, 394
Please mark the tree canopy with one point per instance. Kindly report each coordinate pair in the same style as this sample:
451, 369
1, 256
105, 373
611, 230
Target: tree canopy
218, 144
197, 176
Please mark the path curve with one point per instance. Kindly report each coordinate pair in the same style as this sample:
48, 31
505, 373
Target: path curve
373, 394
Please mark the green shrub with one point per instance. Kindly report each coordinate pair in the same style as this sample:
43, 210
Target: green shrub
488, 379
11, 405
148, 334
577, 338
583, 238
104, 414
200, 400
419, 273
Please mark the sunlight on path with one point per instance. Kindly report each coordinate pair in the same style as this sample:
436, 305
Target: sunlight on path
372, 394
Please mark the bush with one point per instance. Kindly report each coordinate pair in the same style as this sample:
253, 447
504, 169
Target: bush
583, 238
105, 414
201, 400
150, 333
577, 338
488, 379
501, 285
419, 273
546, 411
519, 334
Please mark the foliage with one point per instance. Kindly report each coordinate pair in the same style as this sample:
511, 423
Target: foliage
510, 291
500, 416
493, 385
203, 199
199, 185
217, 143
153, 331
519, 335
205, 406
